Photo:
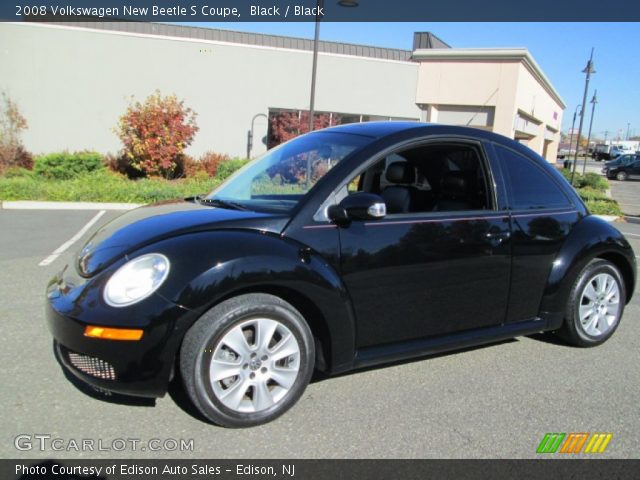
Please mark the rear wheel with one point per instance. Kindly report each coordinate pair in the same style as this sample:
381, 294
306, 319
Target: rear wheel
596, 304
247, 360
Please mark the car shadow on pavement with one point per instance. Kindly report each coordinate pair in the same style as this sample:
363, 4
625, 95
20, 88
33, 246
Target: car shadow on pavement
548, 337
100, 394
320, 376
179, 396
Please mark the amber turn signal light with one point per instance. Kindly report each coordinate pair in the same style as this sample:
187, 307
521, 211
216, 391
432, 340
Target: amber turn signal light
112, 333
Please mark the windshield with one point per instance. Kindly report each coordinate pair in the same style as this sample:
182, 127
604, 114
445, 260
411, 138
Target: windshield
279, 179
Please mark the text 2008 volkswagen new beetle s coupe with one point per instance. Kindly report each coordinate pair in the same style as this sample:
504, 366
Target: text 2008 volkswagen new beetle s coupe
340, 249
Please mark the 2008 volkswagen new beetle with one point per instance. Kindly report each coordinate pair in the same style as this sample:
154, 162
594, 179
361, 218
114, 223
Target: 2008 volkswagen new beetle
343, 248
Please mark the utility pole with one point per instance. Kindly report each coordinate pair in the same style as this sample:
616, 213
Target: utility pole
606, 134
628, 125
588, 70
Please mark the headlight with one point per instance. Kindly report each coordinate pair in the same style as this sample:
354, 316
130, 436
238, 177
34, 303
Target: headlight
136, 280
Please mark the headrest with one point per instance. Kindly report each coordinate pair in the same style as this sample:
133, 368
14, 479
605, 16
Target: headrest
455, 184
400, 172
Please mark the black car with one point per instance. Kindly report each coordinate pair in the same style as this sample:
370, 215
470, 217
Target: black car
343, 248
623, 168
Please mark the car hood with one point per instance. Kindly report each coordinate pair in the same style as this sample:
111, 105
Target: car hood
146, 225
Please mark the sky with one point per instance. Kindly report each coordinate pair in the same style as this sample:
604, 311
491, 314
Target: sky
561, 50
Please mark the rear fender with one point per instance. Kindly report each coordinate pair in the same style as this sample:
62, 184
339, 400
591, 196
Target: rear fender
591, 237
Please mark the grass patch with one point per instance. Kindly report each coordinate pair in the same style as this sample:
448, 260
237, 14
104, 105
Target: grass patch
102, 186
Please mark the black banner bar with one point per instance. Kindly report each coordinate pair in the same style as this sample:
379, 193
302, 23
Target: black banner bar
564, 469
326, 10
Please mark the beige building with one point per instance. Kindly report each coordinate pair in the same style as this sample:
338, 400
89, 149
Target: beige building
502, 90
73, 81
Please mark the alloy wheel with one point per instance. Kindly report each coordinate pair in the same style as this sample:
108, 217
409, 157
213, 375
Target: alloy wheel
254, 365
599, 308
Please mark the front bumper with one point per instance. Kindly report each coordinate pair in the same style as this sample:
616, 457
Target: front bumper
141, 368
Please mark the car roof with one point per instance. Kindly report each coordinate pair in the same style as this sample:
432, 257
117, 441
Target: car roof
378, 130
375, 129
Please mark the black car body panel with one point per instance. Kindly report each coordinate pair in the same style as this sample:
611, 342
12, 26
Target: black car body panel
153, 223
372, 291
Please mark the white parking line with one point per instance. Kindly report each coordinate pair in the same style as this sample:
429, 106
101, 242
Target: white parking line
628, 233
62, 248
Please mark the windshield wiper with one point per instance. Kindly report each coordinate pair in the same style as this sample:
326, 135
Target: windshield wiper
217, 202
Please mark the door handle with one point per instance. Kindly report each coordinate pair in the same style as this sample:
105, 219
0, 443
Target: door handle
498, 237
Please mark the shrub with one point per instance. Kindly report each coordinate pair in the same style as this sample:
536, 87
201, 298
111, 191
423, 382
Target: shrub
207, 163
228, 167
12, 123
65, 165
16, 172
155, 133
591, 180
14, 157
122, 165
605, 206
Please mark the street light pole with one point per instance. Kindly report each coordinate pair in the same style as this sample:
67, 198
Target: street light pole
573, 126
594, 100
250, 134
314, 69
588, 70
316, 41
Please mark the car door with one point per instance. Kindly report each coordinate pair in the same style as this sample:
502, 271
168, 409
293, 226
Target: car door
438, 268
542, 216
634, 170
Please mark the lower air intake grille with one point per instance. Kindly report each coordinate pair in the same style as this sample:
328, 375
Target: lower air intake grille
92, 366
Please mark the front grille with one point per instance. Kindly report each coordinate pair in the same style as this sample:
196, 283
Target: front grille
92, 366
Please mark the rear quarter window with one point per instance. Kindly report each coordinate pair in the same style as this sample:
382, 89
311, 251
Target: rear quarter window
528, 185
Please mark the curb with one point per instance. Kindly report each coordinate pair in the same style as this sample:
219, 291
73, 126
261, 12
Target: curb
631, 219
32, 205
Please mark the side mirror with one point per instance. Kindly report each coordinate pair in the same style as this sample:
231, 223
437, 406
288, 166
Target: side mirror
359, 206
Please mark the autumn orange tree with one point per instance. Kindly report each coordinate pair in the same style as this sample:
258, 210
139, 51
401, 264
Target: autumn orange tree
288, 125
155, 133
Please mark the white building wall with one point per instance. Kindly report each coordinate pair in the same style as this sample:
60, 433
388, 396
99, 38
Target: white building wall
72, 85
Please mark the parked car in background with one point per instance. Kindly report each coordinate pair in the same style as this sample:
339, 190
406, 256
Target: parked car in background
341, 249
621, 160
628, 169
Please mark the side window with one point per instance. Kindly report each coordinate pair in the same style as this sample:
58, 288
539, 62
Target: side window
428, 178
529, 186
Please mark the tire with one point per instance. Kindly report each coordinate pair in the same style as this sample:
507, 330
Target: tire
598, 296
267, 374
621, 176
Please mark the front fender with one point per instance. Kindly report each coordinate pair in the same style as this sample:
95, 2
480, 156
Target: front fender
591, 237
209, 267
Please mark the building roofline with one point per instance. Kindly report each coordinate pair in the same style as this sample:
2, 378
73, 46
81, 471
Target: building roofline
496, 54
245, 38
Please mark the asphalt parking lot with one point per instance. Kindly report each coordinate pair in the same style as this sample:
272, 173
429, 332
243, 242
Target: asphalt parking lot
628, 196
496, 401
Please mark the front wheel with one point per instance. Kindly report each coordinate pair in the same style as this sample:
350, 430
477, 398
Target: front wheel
248, 360
596, 304
622, 176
